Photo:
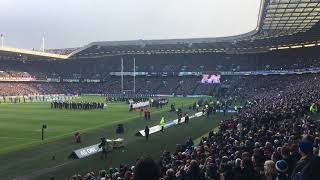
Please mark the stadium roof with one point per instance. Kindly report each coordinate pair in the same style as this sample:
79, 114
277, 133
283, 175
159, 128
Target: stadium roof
25, 54
288, 17
281, 24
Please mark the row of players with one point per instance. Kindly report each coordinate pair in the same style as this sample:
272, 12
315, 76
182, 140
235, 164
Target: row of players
126, 99
77, 105
18, 99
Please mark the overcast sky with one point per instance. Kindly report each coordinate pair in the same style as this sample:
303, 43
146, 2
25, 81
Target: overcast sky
75, 23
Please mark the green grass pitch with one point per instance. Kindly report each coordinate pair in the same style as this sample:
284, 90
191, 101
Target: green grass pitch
23, 154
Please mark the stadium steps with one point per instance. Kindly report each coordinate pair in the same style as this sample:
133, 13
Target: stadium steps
195, 89
156, 90
176, 88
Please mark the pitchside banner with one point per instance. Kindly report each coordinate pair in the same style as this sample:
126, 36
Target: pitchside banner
71, 80
87, 151
18, 79
140, 104
93, 149
157, 128
53, 79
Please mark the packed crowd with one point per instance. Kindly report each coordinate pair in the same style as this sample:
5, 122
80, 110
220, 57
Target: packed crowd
99, 68
33, 88
14, 74
242, 87
272, 138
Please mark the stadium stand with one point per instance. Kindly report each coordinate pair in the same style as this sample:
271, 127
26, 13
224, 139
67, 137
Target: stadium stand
243, 86
288, 59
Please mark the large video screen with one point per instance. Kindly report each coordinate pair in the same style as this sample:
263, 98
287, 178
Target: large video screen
210, 79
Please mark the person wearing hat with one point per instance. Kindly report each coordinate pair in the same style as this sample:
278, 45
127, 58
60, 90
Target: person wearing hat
282, 170
308, 167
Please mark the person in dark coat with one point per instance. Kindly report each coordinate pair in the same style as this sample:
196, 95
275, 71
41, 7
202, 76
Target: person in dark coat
247, 171
149, 114
236, 171
308, 167
145, 115
227, 171
147, 131
186, 119
146, 169
193, 172
103, 145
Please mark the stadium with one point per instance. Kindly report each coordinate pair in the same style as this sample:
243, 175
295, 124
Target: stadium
242, 107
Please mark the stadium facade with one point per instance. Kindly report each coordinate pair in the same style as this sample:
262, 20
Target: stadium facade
285, 41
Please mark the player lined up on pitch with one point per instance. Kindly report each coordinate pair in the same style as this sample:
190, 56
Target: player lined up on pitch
77, 105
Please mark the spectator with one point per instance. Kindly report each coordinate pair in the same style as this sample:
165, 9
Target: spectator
170, 175
269, 170
146, 169
282, 170
247, 171
308, 167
